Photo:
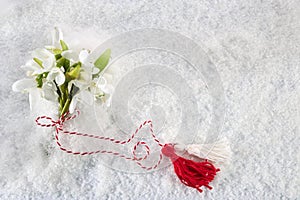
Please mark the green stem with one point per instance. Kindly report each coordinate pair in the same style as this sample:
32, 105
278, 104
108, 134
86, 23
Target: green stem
66, 107
64, 100
63, 92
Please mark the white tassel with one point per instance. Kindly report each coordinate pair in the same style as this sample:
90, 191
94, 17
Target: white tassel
218, 152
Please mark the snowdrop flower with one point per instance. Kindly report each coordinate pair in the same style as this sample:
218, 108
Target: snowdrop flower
100, 89
83, 81
48, 64
83, 58
32, 68
87, 68
105, 89
28, 85
75, 56
57, 74
56, 37
46, 58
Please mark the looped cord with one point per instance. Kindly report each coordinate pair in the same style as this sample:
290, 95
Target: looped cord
45, 121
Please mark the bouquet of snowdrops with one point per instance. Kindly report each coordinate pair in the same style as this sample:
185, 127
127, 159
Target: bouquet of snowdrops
66, 76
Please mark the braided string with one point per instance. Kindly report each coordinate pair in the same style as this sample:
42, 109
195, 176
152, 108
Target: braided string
45, 121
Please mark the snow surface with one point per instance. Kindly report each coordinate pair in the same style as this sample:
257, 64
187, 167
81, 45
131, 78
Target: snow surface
255, 47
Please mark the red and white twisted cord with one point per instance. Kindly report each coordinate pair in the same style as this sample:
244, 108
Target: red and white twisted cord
59, 129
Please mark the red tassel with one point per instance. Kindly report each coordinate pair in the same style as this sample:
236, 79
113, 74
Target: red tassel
191, 173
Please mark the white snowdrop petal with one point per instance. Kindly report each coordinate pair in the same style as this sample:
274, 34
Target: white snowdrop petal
101, 82
85, 76
31, 66
57, 35
49, 63
83, 55
108, 101
71, 55
81, 84
29, 73
51, 75
28, 68
41, 54
23, 85
57, 75
46, 57
38, 53
78, 84
60, 78
50, 47
62, 69
95, 70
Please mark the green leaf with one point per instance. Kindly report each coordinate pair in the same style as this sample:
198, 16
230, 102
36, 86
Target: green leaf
67, 65
63, 62
60, 62
39, 62
58, 56
103, 60
39, 80
63, 45
45, 74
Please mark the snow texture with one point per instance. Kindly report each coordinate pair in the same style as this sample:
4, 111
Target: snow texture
255, 46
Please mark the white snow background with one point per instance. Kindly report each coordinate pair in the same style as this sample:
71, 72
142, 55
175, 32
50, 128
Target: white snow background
255, 46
